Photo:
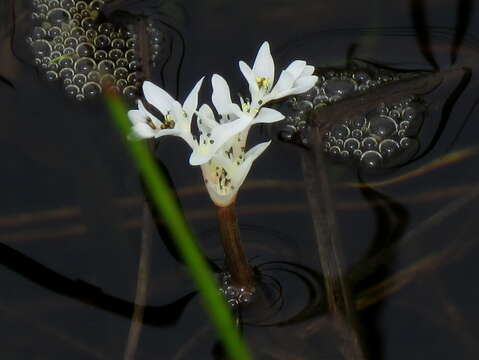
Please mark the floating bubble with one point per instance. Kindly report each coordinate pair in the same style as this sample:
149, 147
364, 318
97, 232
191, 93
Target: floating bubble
351, 144
51, 75
371, 159
337, 88
102, 41
121, 73
381, 125
106, 28
91, 90
67, 73
409, 113
72, 90
130, 92
122, 62
85, 49
84, 65
66, 62
91, 34
340, 131
100, 55
79, 80
41, 48
369, 143
81, 5
115, 54
96, 5
71, 42
118, 43
88, 23
38, 33
94, 76
58, 16
388, 147
106, 66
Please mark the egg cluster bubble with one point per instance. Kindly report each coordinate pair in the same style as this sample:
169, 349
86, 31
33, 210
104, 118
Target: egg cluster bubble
234, 295
373, 140
70, 44
378, 138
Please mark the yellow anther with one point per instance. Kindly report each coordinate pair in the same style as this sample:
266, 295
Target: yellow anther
262, 82
245, 107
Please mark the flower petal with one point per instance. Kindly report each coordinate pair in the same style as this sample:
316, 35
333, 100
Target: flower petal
221, 96
157, 97
267, 115
250, 78
191, 102
304, 84
243, 170
264, 64
218, 137
296, 68
307, 71
141, 131
136, 116
206, 118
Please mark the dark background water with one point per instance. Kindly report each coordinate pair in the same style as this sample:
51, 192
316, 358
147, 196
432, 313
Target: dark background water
71, 200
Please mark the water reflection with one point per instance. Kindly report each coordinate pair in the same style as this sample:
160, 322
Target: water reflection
403, 230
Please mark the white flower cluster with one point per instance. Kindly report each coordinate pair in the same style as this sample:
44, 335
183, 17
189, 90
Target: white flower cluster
220, 147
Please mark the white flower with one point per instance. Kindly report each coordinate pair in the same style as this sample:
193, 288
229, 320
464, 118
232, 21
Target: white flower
297, 78
219, 148
227, 170
233, 128
176, 118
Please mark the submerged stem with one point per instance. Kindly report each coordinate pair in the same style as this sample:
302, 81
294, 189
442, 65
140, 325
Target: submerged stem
235, 258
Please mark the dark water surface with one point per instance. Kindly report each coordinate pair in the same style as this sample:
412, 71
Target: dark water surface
72, 204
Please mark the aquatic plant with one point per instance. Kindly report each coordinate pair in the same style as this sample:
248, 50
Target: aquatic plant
220, 146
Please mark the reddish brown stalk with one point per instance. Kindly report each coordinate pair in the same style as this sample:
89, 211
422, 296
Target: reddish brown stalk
235, 258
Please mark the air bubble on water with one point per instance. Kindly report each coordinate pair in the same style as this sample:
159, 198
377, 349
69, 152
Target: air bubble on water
388, 147
382, 125
371, 159
91, 89
79, 80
